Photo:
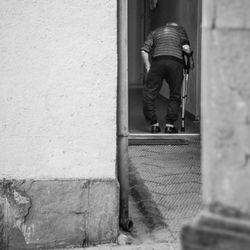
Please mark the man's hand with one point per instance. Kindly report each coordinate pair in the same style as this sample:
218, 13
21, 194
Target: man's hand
145, 58
188, 56
147, 67
186, 48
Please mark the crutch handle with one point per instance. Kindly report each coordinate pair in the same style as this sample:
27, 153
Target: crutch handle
186, 59
184, 97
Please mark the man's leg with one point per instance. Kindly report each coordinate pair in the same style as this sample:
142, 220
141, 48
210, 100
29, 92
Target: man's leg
151, 89
174, 78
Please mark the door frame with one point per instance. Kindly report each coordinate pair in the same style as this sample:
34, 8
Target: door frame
145, 23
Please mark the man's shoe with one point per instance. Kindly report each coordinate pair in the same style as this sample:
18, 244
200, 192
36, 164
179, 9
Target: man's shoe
155, 129
171, 130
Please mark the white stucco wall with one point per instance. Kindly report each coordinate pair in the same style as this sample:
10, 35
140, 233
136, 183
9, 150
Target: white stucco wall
58, 77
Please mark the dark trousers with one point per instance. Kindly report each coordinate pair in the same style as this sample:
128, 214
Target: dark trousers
172, 71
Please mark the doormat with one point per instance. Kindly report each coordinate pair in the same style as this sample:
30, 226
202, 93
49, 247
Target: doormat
168, 141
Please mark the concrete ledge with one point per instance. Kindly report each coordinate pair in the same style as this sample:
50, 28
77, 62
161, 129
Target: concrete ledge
210, 231
58, 213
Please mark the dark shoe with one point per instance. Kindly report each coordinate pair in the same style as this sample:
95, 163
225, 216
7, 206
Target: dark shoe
155, 129
171, 130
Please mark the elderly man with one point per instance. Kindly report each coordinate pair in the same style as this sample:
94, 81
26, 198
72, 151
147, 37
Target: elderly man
165, 46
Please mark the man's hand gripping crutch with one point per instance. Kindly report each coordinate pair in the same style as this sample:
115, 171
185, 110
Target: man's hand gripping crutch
188, 64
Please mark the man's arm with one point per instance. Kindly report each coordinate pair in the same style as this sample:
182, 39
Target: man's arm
145, 51
187, 51
146, 61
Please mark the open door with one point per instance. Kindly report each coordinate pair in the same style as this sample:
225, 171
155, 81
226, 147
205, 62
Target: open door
143, 17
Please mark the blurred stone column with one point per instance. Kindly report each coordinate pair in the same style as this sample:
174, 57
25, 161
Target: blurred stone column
225, 220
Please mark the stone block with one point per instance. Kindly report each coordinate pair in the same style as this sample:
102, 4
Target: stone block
59, 213
102, 223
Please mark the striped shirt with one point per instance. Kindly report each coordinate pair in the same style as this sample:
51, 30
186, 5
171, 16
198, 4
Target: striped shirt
166, 41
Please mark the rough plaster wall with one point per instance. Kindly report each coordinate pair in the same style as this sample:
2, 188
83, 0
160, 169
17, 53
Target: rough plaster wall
226, 105
58, 81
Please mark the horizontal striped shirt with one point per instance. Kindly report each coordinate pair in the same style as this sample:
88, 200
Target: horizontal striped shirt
166, 41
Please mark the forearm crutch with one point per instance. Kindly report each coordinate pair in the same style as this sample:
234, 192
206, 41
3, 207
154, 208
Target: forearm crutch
184, 99
184, 88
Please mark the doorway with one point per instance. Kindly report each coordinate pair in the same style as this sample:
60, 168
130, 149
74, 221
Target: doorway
143, 17
153, 171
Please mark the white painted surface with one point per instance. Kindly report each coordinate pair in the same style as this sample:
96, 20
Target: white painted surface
58, 82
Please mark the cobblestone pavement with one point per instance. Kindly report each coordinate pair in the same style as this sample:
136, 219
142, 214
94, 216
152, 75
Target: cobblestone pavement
170, 183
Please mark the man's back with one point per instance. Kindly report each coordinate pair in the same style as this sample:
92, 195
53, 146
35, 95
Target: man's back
166, 41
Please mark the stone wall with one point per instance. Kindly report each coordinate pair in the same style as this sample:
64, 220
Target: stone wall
58, 97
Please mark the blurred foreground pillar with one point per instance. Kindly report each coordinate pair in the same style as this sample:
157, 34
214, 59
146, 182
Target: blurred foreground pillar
225, 220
